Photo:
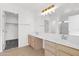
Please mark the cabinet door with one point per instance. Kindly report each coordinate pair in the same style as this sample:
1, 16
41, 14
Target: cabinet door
51, 47
35, 42
68, 50
29, 40
61, 53
48, 53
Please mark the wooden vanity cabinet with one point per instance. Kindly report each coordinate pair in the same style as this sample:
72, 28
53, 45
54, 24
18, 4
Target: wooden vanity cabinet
35, 42
48, 53
52, 48
55, 49
68, 50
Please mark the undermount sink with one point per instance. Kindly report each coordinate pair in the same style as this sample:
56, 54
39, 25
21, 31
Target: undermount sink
64, 37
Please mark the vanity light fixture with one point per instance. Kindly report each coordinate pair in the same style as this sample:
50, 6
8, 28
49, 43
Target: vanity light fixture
48, 10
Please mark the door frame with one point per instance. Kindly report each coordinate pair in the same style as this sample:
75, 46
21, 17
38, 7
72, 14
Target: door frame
3, 28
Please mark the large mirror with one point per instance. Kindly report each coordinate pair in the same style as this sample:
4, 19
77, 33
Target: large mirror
74, 25
70, 23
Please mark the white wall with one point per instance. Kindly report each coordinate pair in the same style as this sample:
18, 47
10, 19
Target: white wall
38, 23
25, 22
25, 26
0, 32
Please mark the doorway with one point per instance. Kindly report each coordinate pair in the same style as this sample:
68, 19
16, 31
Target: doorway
46, 25
10, 30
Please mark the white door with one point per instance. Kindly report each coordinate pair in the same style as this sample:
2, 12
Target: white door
11, 32
10, 26
3, 30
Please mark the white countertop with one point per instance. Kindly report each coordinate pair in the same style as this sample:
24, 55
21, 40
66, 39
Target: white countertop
71, 41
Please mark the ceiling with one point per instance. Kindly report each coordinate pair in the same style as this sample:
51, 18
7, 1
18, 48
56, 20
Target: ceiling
62, 8
67, 9
36, 7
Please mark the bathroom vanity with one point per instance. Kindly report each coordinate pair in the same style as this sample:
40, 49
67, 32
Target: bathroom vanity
56, 49
35, 42
54, 45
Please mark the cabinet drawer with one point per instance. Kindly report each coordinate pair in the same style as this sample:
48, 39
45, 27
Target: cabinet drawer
48, 53
48, 43
68, 50
61, 53
35, 42
51, 47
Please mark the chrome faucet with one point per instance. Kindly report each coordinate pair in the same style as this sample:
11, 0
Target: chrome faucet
64, 37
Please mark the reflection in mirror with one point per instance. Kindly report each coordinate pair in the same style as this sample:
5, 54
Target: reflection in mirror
64, 28
46, 25
74, 25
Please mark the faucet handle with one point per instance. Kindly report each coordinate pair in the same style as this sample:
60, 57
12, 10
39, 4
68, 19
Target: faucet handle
64, 37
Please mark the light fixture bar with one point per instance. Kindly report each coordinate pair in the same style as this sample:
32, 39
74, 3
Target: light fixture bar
46, 9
